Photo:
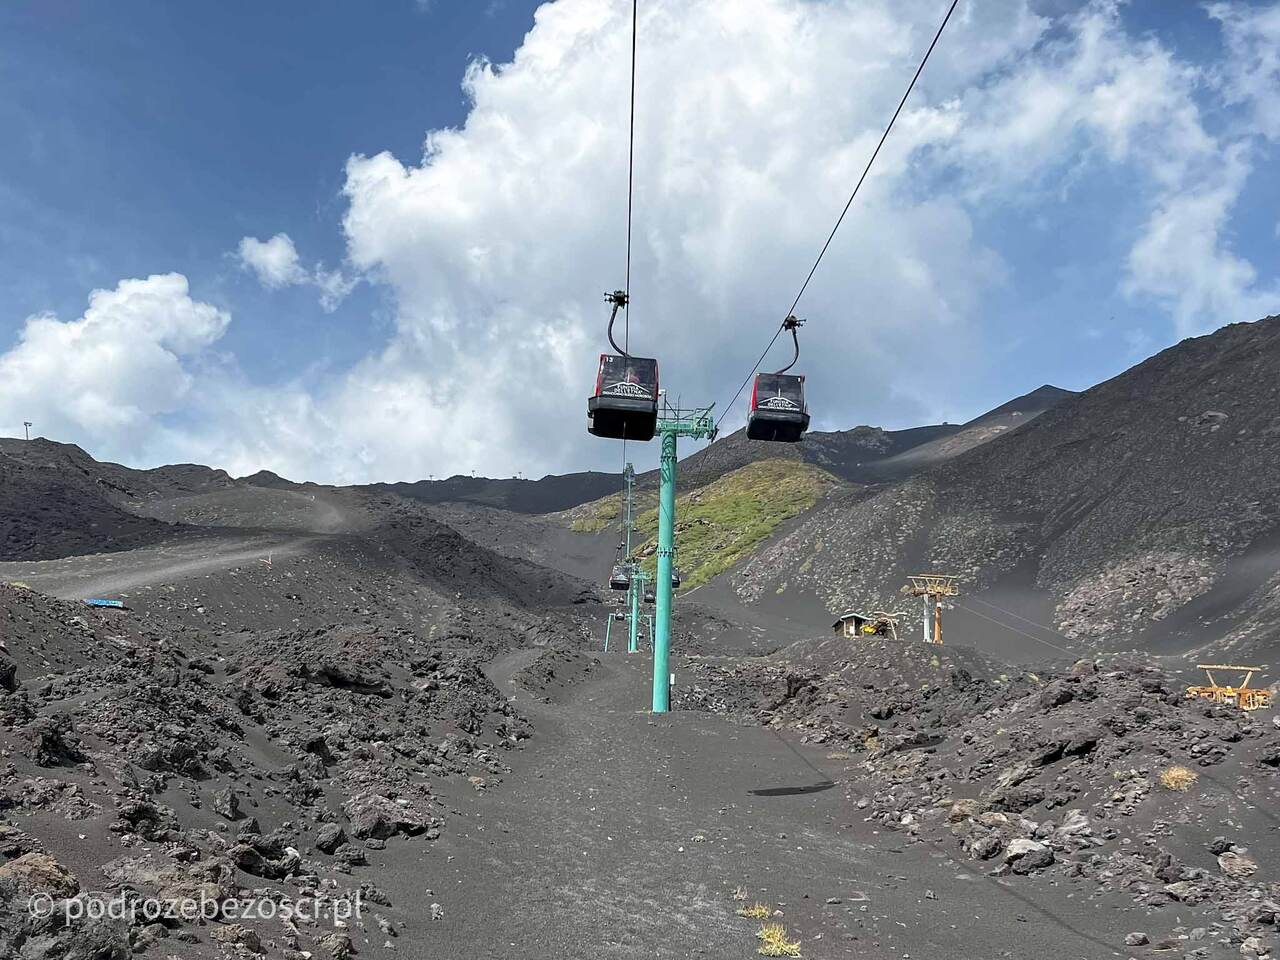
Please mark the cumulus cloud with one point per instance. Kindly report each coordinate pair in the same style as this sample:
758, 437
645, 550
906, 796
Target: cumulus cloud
274, 261
1088, 93
276, 264
1183, 257
754, 120
1182, 260
108, 375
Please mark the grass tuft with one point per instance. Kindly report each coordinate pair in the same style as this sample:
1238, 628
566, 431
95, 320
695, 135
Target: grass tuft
774, 942
756, 911
1178, 778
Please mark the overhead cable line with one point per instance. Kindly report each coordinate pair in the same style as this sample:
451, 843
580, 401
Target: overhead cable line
1013, 629
1018, 616
822, 253
631, 177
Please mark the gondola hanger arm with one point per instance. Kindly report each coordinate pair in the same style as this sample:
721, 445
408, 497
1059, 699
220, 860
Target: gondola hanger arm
619, 299
792, 324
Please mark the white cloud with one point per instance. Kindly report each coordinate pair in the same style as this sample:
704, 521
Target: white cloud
108, 376
274, 261
333, 285
1183, 258
1182, 261
753, 121
754, 118
1250, 74
276, 264
1089, 93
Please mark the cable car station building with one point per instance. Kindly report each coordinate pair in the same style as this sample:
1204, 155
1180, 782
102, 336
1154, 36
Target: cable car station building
856, 626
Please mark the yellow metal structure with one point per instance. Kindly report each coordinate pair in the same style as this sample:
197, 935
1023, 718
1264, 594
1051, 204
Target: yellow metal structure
878, 623
882, 624
935, 584
933, 587
1241, 695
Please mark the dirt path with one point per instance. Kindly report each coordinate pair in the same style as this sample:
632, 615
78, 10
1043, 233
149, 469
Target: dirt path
110, 574
624, 835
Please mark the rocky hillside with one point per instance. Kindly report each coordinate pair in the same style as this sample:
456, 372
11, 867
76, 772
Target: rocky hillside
547, 495
281, 761
1099, 775
1121, 506
862, 454
866, 454
57, 501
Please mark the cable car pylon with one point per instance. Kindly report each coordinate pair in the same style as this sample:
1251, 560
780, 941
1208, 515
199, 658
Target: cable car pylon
628, 574
673, 423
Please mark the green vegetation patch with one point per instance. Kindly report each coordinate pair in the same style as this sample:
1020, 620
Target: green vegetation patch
720, 524
594, 517
606, 512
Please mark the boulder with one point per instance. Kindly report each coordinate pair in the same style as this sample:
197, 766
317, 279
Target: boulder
984, 848
373, 815
963, 810
1074, 824
1237, 866
1025, 856
34, 873
235, 934
226, 804
330, 837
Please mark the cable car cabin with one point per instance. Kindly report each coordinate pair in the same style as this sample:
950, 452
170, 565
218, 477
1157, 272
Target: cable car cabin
777, 412
625, 404
619, 578
676, 578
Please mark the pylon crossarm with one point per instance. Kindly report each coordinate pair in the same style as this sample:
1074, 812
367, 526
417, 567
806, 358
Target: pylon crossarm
696, 423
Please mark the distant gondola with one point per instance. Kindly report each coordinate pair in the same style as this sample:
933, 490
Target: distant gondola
620, 578
778, 411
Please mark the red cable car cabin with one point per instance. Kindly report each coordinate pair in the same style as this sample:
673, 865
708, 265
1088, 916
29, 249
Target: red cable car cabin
625, 405
778, 411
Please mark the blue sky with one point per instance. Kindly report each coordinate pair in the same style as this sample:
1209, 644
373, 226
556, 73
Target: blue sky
1075, 186
151, 136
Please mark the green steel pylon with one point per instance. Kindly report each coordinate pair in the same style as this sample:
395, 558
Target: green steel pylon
628, 508
672, 424
637, 578
634, 594
633, 588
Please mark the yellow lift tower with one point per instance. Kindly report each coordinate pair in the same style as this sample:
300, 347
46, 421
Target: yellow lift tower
1241, 695
933, 587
